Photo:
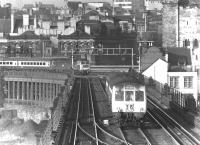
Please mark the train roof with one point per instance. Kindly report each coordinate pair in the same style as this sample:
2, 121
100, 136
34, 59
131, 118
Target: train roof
24, 59
125, 77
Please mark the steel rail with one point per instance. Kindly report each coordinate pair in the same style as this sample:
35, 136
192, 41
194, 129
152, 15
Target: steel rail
88, 134
89, 111
177, 124
92, 104
71, 131
121, 132
146, 138
124, 141
164, 128
76, 125
118, 139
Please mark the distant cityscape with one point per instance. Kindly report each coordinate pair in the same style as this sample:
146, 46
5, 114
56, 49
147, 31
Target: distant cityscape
58, 3
63, 58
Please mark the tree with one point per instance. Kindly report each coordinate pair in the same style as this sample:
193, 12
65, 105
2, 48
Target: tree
2, 85
183, 3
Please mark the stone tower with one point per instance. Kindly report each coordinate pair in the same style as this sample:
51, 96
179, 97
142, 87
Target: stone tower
181, 25
170, 21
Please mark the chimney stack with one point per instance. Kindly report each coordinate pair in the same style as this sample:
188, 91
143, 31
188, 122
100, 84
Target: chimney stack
12, 22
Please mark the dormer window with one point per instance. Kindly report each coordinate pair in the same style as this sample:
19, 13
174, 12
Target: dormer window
195, 43
186, 43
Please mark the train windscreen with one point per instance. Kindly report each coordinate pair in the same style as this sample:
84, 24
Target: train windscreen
139, 96
119, 94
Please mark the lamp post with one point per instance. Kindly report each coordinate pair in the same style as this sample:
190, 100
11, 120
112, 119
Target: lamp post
132, 58
72, 58
139, 57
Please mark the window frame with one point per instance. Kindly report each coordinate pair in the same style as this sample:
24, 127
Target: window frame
131, 99
123, 94
174, 81
188, 82
140, 96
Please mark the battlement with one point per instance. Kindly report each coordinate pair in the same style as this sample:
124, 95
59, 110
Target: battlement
169, 1
191, 2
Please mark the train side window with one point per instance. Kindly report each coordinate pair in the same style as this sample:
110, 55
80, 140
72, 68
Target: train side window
34, 63
0, 62
22, 63
4, 62
139, 96
40, 63
11, 63
31, 63
43, 63
129, 96
119, 95
27, 63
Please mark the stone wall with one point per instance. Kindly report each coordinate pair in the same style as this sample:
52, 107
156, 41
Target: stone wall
189, 21
169, 31
26, 112
189, 25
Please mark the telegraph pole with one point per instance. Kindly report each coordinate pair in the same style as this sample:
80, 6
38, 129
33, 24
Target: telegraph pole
132, 58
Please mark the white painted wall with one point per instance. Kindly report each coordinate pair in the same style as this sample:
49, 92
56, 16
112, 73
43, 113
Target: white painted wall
153, 4
158, 71
25, 19
181, 88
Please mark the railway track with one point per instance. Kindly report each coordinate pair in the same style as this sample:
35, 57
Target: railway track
83, 126
106, 136
181, 135
155, 133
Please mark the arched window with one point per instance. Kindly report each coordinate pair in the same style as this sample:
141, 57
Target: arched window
186, 43
195, 43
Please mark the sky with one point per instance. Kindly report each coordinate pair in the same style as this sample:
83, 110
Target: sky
58, 3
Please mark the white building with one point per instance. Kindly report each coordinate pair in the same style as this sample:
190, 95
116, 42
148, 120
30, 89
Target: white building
173, 69
125, 5
185, 82
153, 4
158, 71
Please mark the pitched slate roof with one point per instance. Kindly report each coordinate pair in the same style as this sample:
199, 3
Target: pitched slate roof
149, 56
117, 78
5, 25
179, 56
27, 35
73, 5
125, 18
4, 13
28, 6
76, 35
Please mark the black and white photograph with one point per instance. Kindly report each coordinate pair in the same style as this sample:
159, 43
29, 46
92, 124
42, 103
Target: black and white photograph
99, 72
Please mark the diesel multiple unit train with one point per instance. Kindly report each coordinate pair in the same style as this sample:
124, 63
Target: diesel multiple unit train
35, 63
27, 62
81, 67
127, 94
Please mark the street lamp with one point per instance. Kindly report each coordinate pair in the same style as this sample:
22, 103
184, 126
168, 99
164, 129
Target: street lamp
139, 57
132, 58
72, 58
